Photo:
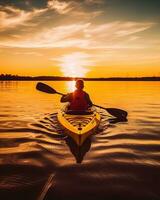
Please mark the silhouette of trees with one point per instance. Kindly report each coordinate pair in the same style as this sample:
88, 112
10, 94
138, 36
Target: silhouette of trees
10, 77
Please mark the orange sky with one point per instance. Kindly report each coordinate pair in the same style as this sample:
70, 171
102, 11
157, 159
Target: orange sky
79, 38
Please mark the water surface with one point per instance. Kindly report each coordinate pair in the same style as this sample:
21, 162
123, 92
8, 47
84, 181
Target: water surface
120, 161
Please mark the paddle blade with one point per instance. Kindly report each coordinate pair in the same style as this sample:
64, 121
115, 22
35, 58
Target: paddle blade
117, 113
45, 88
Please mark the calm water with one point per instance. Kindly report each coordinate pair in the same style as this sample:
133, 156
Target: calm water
120, 161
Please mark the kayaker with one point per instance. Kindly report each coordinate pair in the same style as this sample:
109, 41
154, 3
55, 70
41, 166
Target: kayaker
79, 99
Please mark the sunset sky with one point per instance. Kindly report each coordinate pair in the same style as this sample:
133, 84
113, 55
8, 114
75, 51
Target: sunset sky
92, 38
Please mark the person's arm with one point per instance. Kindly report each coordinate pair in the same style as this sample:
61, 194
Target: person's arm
66, 98
88, 100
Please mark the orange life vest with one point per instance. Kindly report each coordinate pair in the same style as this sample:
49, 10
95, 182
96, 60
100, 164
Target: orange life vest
78, 101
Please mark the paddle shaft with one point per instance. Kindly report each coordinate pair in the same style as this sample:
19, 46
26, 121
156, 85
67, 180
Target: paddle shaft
60, 93
99, 106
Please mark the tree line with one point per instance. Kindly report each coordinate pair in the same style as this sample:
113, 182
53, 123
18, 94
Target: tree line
10, 77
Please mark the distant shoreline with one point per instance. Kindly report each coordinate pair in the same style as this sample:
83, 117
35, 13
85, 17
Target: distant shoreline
59, 78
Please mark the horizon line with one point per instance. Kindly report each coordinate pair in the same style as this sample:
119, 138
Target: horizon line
45, 77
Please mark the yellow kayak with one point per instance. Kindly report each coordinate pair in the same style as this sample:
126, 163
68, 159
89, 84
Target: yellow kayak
79, 124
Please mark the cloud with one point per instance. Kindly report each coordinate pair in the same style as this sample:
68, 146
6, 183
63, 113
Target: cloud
129, 28
60, 7
60, 36
15, 18
84, 35
73, 9
116, 34
94, 1
11, 17
118, 29
32, 53
82, 15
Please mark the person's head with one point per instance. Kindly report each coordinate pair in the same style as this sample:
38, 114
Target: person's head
79, 84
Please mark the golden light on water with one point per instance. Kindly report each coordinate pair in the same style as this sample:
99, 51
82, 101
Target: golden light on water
75, 64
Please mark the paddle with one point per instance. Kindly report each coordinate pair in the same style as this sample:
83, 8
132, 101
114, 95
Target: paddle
118, 113
46, 88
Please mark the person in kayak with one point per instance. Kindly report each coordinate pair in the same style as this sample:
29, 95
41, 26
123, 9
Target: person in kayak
79, 99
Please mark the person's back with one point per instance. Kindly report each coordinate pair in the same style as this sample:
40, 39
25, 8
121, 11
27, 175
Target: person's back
79, 99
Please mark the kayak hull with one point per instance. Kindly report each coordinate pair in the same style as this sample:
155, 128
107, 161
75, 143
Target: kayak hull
79, 126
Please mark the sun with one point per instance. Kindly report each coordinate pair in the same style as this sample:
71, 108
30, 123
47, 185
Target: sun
71, 85
75, 64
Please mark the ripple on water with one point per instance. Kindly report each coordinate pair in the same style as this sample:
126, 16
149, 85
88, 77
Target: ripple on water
121, 160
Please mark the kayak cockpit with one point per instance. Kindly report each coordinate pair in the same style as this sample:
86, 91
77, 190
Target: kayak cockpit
79, 112
89, 111
79, 124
